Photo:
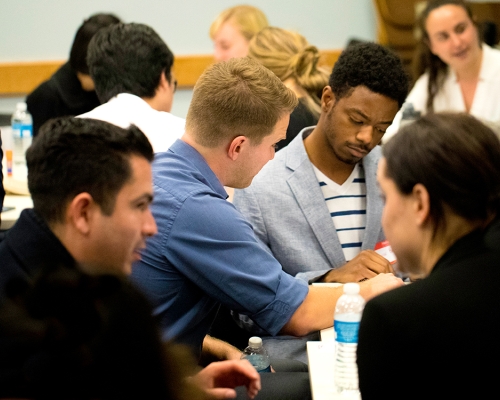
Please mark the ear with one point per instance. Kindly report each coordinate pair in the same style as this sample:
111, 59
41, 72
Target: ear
163, 84
328, 99
81, 211
236, 146
421, 204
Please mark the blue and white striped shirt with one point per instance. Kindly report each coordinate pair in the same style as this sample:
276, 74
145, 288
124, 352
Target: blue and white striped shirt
347, 206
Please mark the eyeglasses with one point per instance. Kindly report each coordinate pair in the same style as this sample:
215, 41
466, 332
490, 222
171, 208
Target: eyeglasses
175, 85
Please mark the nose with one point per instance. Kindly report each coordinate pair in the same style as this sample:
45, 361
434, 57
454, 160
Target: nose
149, 227
365, 134
456, 40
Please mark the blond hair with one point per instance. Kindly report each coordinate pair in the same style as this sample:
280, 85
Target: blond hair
237, 97
247, 19
289, 55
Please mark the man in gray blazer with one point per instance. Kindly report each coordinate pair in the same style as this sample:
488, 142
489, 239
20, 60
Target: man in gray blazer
316, 207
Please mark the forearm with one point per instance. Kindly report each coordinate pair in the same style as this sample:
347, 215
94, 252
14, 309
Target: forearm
315, 313
218, 350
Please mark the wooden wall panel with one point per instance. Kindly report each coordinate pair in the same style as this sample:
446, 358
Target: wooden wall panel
22, 77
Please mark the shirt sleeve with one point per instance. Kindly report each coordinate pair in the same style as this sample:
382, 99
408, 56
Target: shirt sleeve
219, 252
246, 202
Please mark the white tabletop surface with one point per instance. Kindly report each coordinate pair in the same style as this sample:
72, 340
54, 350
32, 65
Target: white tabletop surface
321, 356
19, 203
15, 185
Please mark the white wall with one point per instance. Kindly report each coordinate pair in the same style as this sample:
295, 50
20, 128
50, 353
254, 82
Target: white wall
44, 29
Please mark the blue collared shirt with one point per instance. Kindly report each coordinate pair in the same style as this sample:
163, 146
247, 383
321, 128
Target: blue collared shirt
206, 253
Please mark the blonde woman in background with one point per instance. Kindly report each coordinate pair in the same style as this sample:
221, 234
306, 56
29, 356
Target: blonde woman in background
232, 30
290, 56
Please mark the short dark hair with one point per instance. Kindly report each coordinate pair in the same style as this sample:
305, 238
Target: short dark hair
75, 155
456, 157
373, 66
128, 58
78, 53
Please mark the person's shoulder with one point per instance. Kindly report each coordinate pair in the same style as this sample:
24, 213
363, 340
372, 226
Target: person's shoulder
176, 178
97, 113
492, 58
373, 157
171, 118
45, 92
273, 171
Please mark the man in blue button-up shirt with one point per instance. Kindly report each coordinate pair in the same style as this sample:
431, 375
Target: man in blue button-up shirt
205, 252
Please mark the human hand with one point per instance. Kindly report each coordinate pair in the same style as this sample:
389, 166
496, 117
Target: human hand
367, 264
219, 379
379, 284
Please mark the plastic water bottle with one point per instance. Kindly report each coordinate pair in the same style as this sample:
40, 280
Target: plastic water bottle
22, 133
257, 355
347, 316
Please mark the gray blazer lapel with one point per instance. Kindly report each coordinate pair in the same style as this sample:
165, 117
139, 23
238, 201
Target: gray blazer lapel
304, 186
374, 205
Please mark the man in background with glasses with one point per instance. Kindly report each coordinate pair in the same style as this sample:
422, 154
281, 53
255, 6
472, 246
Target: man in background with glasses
132, 70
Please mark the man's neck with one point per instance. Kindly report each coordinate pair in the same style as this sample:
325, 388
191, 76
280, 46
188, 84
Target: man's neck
154, 103
215, 159
326, 161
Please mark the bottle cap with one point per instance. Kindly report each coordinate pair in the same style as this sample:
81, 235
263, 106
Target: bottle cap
255, 342
22, 106
351, 288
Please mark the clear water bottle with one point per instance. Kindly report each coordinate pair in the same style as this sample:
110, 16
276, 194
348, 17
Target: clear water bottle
22, 133
257, 355
346, 318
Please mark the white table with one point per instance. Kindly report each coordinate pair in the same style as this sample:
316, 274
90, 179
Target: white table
15, 185
19, 203
321, 356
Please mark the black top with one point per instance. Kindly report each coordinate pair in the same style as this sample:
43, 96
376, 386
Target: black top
62, 95
28, 246
2, 190
437, 337
300, 118
65, 334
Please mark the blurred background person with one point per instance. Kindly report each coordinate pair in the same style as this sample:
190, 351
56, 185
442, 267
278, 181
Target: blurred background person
70, 91
2, 190
456, 71
232, 30
292, 59
440, 178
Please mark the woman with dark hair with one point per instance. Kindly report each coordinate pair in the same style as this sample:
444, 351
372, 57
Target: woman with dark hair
456, 71
70, 91
438, 336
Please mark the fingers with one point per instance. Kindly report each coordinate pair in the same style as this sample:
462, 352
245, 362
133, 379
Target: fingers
365, 265
232, 373
375, 262
379, 284
221, 393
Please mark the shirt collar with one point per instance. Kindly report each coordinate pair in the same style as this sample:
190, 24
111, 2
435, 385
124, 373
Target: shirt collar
188, 152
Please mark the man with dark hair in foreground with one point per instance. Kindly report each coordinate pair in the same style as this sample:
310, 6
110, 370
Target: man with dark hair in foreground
71, 325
